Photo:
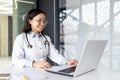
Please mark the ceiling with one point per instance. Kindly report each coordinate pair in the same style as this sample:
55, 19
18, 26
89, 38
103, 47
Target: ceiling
6, 7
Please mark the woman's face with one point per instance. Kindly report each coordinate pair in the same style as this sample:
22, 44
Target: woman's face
38, 23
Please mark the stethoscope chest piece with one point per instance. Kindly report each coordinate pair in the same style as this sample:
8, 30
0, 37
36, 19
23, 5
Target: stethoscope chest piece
30, 46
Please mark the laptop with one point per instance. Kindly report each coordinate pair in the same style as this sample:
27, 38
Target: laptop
88, 61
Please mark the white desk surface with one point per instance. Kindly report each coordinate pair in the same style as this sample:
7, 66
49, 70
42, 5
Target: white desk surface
101, 73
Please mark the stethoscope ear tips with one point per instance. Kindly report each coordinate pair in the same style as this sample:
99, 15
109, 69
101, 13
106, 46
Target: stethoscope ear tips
30, 46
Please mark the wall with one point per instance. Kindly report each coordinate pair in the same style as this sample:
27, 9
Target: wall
3, 36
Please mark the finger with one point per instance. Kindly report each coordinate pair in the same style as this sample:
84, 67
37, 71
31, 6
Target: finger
73, 62
47, 65
70, 63
76, 62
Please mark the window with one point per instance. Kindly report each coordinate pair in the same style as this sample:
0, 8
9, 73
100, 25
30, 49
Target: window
90, 19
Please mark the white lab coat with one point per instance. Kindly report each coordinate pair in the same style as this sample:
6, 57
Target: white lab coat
23, 56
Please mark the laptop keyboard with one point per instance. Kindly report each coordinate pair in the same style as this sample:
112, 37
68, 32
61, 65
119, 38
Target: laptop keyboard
68, 70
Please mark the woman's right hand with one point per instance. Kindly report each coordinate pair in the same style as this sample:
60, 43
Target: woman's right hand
41, 64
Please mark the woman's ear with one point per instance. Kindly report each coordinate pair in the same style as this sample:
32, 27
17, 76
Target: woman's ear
30, 21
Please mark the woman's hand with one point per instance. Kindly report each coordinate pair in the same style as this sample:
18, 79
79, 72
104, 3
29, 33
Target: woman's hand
41, 64
72, 62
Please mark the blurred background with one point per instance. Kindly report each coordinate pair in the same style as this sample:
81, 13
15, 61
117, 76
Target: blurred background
71, 22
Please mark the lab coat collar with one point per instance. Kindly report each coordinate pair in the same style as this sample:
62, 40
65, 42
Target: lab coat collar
33, 35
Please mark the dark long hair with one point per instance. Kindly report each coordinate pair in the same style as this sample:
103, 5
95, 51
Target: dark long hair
30, 15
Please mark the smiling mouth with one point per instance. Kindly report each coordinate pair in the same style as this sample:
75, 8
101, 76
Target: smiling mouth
41, 28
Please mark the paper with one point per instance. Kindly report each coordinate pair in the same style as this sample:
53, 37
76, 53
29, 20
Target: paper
34, 76
27, 74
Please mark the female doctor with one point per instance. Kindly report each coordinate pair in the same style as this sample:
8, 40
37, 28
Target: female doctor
31, 48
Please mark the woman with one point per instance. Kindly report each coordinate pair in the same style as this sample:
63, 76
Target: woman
31, 48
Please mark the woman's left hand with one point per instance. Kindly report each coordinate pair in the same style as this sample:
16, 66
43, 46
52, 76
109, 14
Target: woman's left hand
72, 62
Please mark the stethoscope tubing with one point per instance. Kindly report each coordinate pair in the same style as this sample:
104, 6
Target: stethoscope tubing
46, 43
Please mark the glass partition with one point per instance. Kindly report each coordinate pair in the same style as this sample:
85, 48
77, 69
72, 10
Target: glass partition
20, 7
90, 19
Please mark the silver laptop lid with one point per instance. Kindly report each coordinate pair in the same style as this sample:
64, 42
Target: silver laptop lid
90, 56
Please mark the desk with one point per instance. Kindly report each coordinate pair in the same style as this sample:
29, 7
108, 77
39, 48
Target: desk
101, 73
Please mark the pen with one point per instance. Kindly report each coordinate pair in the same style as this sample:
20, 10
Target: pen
24, 77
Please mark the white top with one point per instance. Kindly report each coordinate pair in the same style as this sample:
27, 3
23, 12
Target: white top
23, 56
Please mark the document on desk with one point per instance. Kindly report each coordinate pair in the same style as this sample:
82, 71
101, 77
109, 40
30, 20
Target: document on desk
31, 77
29, 74
28, 77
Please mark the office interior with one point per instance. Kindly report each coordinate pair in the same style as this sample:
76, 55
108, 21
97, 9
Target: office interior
70, 23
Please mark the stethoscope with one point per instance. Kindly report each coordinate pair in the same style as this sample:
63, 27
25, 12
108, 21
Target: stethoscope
46, 43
